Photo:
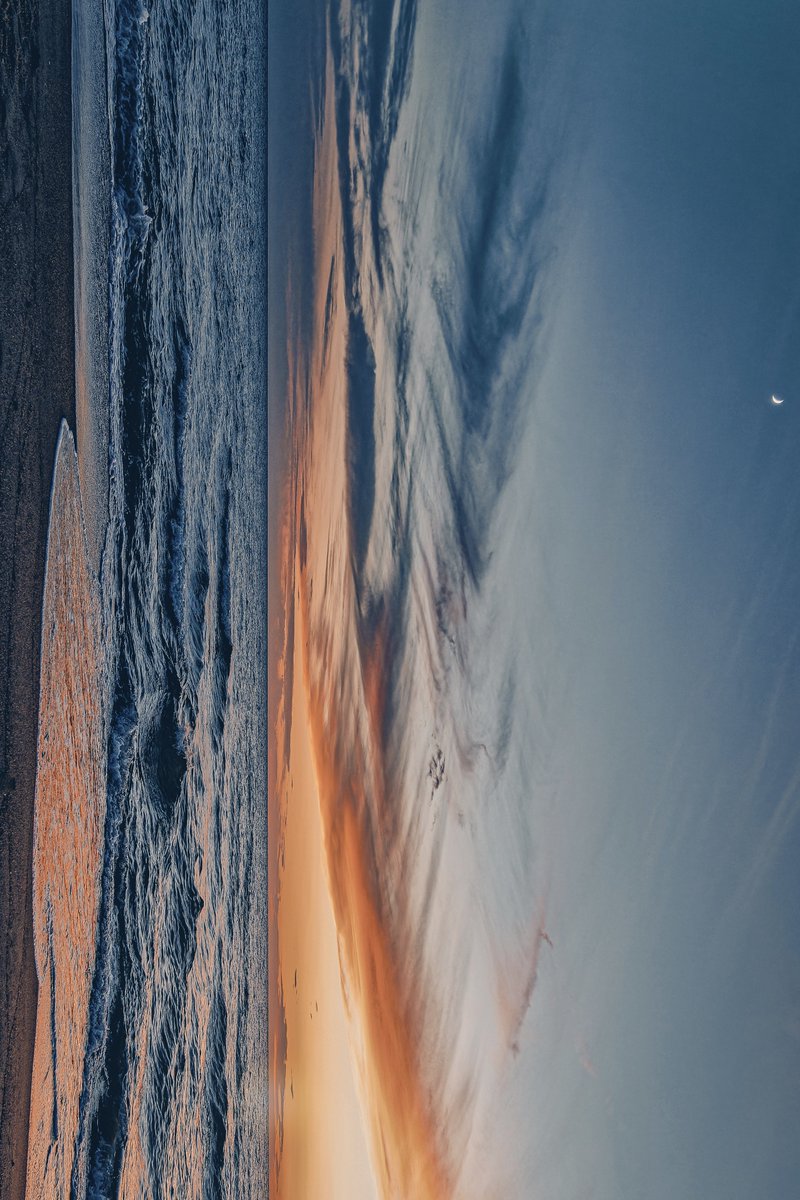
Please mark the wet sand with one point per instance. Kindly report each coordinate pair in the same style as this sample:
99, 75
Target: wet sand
69, 824
36, 390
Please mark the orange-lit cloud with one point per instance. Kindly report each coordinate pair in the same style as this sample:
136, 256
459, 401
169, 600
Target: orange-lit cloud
406, 1151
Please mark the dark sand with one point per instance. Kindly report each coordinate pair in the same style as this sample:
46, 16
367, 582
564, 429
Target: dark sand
36, 390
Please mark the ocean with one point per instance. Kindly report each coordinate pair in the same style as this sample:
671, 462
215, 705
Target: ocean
151, 1029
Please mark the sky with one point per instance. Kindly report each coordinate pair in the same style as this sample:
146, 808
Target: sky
537, 524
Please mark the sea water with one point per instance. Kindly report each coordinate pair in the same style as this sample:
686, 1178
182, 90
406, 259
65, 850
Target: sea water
167, 1085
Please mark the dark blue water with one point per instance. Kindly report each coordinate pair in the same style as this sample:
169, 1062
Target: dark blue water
174, 1089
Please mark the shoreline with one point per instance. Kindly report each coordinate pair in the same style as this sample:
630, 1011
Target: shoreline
37, 391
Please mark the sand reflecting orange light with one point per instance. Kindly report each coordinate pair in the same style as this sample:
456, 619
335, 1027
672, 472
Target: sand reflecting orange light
69, 826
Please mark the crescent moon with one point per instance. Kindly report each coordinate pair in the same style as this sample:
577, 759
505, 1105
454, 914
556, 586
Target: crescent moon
776, 401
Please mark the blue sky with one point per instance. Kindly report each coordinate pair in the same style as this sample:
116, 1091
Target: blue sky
569, 260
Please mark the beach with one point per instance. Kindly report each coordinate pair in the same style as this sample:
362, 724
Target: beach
36, 391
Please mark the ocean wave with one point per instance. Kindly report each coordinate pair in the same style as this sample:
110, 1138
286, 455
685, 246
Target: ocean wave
175, 1010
